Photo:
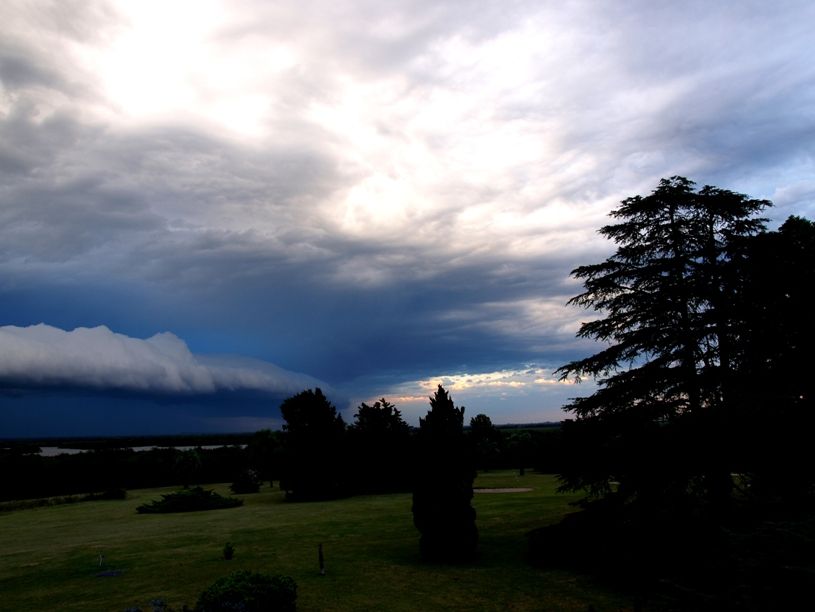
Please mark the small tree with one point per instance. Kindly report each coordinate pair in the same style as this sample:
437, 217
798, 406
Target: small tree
246, 481
188, 466
263, 454
313, 444
443, 488
380, 447
486, 440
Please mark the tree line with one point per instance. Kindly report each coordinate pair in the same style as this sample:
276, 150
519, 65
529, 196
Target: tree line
317, 456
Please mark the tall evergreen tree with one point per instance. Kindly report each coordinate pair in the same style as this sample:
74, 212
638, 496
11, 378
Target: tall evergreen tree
443, 487
665, 301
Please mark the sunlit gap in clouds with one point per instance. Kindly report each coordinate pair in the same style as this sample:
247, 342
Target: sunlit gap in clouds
535, 394
177, 61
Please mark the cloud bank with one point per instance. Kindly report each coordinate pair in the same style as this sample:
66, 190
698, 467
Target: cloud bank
97, 359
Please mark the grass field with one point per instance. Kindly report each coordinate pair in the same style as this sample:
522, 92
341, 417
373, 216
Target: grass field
50, 556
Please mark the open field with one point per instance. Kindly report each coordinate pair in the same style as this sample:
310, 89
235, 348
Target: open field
50, 556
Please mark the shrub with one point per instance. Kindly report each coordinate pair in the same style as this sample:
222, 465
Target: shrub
189, 500
249, 592
229, 551
247, 481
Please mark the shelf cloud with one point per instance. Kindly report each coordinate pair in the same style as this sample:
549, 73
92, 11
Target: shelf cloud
100, 360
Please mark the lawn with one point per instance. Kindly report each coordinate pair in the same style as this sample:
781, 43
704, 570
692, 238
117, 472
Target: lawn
50, 558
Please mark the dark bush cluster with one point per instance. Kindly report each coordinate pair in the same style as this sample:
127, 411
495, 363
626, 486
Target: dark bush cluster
189, 500
247, 481
247, 591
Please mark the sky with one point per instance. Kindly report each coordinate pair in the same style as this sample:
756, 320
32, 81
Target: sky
207, 206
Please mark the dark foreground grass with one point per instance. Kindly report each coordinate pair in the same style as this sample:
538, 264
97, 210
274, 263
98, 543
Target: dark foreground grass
50, 557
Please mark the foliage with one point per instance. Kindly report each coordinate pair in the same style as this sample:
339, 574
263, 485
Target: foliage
379, 444
32, 476
698, 435
189, 467
247, 481
314, 435
443, 487
486, 440
264, 454
671, 343
228, 551
773, 385
189, 500
249, 592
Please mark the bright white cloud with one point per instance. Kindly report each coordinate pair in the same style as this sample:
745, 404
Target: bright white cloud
522, 126
96, 358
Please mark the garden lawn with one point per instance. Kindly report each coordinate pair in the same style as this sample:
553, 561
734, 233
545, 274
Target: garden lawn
50, 557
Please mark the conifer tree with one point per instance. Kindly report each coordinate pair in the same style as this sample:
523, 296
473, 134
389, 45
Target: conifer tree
443, 488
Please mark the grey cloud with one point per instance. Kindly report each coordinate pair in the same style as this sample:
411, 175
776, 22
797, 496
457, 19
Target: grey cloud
73, 187
18, 70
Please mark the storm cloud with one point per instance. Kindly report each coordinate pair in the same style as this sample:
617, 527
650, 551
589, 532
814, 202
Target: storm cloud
375, 194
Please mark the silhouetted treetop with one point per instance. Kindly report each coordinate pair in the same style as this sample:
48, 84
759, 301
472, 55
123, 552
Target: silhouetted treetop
310, 412
382, 417
443, 419
663, 294
314, 435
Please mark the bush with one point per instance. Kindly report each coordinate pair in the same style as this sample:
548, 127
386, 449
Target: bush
229, 551
189, 500
249, 592
248, 481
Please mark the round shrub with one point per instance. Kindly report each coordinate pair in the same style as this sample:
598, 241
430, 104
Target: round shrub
249, 592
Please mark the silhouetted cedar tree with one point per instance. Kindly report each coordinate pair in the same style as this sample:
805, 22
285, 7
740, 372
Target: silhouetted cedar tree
443, 486
705, 383
379, 444
655, 430
314, 437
